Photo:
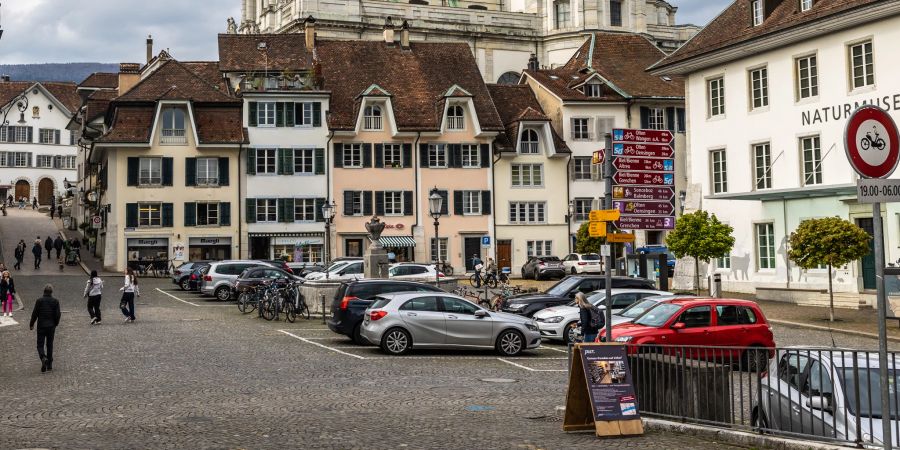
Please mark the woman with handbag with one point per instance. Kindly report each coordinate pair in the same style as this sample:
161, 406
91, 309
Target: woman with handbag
129, 291
92, 291
7, 292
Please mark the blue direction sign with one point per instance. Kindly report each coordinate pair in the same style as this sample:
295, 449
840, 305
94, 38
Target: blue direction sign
643, 136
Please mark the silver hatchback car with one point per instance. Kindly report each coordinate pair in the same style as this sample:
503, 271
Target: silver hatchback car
401, 321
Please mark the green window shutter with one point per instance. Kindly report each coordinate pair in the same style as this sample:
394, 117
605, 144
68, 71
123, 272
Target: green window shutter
167, 169
338, 155
30, 134
289, 213
485, 203
56, 136
423, 155
289, 114
454, 159
319, 161
458, 203
407, 203
317, 114
251, 210
225, 214
367, 155
367, 203
379, 155
131, 215
190, 172
285, 161
379, 203
251, 161
251, 114
224, 175
485, 154
279, 114
320, 202
190, 214
168, 215
407, 155
445, 205
133, 168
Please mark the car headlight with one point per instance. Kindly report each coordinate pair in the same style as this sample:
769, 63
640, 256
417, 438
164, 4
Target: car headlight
531, 326
554, 319
624, 338
517, 306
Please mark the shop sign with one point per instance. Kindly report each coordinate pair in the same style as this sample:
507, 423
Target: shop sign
148, 242
216, 240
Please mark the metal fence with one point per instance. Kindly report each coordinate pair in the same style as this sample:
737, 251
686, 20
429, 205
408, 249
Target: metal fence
825, 394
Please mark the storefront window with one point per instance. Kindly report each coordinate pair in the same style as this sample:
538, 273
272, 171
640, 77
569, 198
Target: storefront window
309, 253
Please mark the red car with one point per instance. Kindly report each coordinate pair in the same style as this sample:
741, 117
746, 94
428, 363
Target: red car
717, 323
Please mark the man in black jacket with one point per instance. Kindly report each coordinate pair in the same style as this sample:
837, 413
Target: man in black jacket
58, 246
46, 313
36, 251
48, 245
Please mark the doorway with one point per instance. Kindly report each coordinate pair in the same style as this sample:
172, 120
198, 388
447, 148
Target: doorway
868, 262
353, 247
45, 191
471, 246
23, 189
504, 254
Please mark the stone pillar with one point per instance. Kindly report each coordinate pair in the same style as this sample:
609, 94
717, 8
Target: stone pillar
375, 260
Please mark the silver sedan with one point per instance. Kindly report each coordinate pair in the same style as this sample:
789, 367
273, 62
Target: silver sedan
399, 322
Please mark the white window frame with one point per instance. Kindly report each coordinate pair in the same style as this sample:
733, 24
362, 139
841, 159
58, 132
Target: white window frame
21, 135
539, 248
443, 243
207, 172
266, 207
353, 156
806, 5
865, 71
392, 155
715, 91
527, 212
304, 161
471, 203
759, 87
585, 163
810, 65
762, 175
150, 165
266, 161
656, 120
811, 152
756, 10
529, 146
304, 210
581, 129
306, 117
172, 131
265, 114
718, 166
593, 90
213, 214
4, 159
357, 203
20, 159
47, 136
765, 235
582, 208
149, 215
526, 175
456, 118
437, 156
562, 17
471, 156
372, 115
393, 203
44, 161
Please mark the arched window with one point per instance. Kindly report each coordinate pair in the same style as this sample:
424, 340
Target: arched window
509, 78
372, 117
530, 143
173, 126
455, 118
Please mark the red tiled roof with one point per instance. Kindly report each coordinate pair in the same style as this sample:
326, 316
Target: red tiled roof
220, 125
130, 124
515, 104
101, 80
98, 103
209, 71
64, 92
417, 78
240, 52
175, 81
734, 25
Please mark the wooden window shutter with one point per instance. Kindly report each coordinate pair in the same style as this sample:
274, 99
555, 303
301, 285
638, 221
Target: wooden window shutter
225, 214
317, 114
645, 117
379, 203
367, 155
131, 215
252, 113
56, 136
319, 203
167, 168
423, 155
338, 155
190, 214
367, 203
289, 115
251, 210
379, 155
485, 154
348, 203
224, 175
251, 161
319, 161
190, 171
279, 114
458, 203
445, 205
486, 203
407, 155
407, 203
670, 119
285, 161
133, 169
168, 215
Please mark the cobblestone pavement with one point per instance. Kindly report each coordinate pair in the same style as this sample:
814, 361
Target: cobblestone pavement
27, 225
193, 373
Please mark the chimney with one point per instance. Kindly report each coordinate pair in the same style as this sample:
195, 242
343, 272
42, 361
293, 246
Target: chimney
404, 35
149, 48
129, 76
388, 31
533, 63
4, 78
310, 32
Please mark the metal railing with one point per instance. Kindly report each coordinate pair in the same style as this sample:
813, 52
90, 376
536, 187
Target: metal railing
372, 123
823, 394
455, 123
173, 136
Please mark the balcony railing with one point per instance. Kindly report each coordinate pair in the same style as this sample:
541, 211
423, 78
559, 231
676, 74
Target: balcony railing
455, 123
530, 147
372, 123
173, 136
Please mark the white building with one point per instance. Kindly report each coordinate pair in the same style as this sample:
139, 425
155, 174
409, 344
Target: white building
284, 167
767, 106
37, 152
501, 33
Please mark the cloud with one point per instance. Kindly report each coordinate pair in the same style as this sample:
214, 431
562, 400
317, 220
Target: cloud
699, 12
37, 31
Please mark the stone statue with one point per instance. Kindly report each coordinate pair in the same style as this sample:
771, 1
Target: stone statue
375, 261
375, 227
232, 26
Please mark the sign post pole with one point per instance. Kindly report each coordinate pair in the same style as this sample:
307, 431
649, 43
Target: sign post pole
882, 322
608, 203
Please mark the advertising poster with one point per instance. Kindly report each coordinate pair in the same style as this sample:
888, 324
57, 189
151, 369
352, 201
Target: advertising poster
609, 382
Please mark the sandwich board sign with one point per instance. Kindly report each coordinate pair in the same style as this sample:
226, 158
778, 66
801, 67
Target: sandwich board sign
601, 392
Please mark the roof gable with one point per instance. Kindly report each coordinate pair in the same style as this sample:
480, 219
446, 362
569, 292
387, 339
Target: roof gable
175, 81
456, 91
375, 91
517, 105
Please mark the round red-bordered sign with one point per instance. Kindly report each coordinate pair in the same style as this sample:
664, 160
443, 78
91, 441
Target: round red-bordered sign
872, 142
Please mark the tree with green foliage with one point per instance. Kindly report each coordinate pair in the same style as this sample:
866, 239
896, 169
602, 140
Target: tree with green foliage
584, 243
702, 237
828, 241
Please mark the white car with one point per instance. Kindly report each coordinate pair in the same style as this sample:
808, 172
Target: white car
559, 323
582, 263
340, 271
414, 272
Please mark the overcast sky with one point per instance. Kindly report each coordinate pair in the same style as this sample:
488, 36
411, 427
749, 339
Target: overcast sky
37, 31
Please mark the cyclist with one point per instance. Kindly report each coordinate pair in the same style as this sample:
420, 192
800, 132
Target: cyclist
477, 264
490, 273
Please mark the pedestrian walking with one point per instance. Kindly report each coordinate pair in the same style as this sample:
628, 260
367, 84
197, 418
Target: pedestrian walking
58, 245
19, 254
46, 313
48, 244
76, 246
36, 251
7, 291
591, 318
34, 204
9, 200
129, 291
92, 291
59, 211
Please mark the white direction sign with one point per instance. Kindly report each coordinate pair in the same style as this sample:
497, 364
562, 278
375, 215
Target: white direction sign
877, 190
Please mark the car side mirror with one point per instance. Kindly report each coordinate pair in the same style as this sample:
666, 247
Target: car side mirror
481, 314
819, 402
679, 326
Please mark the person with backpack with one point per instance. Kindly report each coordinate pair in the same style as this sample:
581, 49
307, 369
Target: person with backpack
592, 319
92, 291
129, 291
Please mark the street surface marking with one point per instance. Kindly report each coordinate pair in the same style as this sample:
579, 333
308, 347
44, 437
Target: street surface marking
320, 345
7, 322
529, 368
185, 301
554, 349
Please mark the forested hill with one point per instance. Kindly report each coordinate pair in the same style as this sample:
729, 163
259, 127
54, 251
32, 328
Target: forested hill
54, 71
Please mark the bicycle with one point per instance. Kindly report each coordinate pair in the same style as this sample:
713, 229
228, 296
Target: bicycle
248, 300
489, 280
295, 302
444, 268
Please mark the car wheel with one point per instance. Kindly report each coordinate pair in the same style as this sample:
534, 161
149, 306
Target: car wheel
755, 359
185, 284
510, 343
569, 333
537, 276
223, 293
396, 341
357, 336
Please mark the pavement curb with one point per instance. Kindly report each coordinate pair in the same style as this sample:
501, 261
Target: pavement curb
834, 330
750, 440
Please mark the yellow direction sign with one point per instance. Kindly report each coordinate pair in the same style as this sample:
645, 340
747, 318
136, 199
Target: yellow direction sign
597, 229
604, 215
620, 238
597, 157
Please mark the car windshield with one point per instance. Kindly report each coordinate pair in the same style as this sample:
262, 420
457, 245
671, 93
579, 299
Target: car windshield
379, 302
591, 257
549, 259
337, 266
658, 316
563, 287
597, 299
638, 308
870, 383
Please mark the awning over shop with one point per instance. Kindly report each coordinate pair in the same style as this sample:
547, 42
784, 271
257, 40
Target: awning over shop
287, 234
397, 241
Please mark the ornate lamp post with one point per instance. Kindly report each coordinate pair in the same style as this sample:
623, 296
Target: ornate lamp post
435, 205
328, 215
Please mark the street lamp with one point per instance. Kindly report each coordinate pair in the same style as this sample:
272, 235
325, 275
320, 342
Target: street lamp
570, 212
435, 205
328, 215
682, 195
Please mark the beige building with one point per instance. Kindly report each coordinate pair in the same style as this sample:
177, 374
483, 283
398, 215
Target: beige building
501, 33
167, 166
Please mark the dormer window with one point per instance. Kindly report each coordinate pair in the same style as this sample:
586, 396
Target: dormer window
530, 143
593, 90
173, 126
372, 118
806, 5
756, 8
455, 118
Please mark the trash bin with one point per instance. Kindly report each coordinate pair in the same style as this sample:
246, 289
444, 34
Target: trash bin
715, 288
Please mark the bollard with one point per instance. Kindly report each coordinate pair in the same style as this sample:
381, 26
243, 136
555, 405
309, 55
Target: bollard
322, 296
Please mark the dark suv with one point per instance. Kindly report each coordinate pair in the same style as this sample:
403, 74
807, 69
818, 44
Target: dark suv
353, 298
564, 292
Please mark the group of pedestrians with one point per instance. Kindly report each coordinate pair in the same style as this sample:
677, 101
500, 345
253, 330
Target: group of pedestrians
46, 312
22, 201
61, 246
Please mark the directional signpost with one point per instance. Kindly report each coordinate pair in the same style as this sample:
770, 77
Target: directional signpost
644, 180
642, 208
643, 150
643, 193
